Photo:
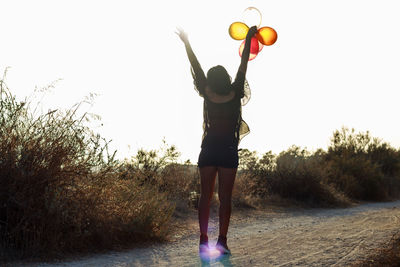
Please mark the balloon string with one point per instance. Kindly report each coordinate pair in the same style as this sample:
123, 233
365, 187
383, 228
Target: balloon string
258, 11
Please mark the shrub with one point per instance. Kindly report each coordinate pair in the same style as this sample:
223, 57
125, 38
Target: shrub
161, 169
357, 177
59, 188
299, 176
253, 173
295, 174
363, 167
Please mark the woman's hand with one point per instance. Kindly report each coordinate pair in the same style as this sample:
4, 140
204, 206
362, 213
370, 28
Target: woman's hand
251, 32
246, 51
182, 34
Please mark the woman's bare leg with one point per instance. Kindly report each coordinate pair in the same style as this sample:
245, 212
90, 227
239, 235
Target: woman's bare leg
207, 176
226, 179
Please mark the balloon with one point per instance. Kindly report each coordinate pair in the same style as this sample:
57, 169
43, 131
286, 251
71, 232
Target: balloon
260, 46
267, 35
264, 36
238, 30
255, 48
252, 16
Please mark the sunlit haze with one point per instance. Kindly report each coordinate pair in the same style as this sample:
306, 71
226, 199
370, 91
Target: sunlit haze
335, 63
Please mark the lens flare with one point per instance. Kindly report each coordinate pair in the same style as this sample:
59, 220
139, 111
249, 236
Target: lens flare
211, 254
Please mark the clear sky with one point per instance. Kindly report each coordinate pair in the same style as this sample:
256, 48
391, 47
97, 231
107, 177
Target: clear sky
336, 63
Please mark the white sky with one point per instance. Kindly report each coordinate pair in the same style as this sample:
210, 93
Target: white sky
336, 63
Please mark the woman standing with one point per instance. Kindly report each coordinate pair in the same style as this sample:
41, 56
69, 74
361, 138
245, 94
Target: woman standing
223, 129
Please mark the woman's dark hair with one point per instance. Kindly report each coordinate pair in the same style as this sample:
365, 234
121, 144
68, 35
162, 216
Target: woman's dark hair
219, 80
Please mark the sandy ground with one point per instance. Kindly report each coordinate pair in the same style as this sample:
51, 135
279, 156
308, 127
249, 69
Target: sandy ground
308, 237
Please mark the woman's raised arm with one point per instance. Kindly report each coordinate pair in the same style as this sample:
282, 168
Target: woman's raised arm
246, 50
200, 77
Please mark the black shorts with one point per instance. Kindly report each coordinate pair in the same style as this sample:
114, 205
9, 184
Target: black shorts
226, 157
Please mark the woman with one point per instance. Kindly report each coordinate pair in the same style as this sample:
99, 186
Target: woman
223, 128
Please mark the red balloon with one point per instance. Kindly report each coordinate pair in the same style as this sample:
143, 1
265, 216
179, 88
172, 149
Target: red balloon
260, 45
255, 48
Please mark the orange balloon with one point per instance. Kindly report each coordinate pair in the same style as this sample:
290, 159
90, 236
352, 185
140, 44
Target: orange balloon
238, 30
267, 35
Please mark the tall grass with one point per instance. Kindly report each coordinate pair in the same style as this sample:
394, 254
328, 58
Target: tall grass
60, 188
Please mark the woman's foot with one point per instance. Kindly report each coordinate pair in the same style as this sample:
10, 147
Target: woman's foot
222, 246
203, 247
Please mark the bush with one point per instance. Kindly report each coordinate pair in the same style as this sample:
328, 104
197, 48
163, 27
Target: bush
295, 174
299, 175
356, 166
161, 169
363, 167
59, 188
357, 177
253, 173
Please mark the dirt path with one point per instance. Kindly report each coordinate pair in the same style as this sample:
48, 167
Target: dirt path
315, 237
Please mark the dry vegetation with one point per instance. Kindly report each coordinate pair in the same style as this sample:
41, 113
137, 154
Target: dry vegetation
62, 191
388, 256
356, 167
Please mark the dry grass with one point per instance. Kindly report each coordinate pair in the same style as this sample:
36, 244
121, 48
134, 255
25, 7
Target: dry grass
388, 256
61, 191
